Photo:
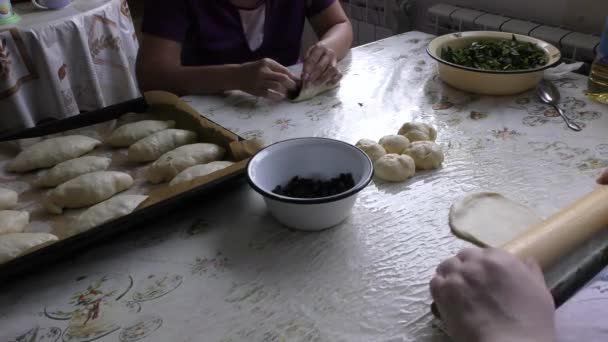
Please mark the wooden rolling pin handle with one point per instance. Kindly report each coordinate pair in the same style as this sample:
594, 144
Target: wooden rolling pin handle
558, 235
561, 233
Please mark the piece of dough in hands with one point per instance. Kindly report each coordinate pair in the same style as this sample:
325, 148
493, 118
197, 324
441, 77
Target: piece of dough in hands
71, 169
394, 144
176, 161
153, 146
8, 199
394, 167
310, 91
113, 208
199, 171
426, 154
130, 133
418, 131
86, 190
51, 152
13, 245
371, 148
13, 221
489, 219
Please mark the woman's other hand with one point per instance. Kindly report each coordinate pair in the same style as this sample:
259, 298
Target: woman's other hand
320, 66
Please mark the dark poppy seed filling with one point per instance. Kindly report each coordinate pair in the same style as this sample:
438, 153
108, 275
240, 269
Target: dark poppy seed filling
315, 188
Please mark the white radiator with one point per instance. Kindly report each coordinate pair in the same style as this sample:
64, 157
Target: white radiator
575, 46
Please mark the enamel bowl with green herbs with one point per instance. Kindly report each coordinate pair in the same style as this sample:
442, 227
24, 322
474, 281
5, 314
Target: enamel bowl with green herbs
492, 63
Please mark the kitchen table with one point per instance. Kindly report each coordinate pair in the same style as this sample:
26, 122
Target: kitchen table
221, 269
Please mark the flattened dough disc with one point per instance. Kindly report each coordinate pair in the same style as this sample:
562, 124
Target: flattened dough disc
489, 219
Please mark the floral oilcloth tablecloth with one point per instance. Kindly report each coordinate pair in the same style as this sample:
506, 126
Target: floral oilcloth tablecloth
223, 270
55, 64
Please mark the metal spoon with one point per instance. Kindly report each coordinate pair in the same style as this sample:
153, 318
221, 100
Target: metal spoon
549, 94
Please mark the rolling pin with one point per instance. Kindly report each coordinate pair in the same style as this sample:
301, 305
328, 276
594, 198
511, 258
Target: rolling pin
561, 233
555, 237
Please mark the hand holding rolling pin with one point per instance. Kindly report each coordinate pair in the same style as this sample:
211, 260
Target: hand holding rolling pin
491, 295
488, 295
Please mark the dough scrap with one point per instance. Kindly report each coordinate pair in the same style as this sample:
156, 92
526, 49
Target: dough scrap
8, 199
199, 171
51, 152
394, 143
244, 149
395, 167
309, 92
371, 148
426, 154
130, 133
16, 244
113, 208
153, 146
86, 190
13, 221
418, 131
176, 161
489, 219
71, 169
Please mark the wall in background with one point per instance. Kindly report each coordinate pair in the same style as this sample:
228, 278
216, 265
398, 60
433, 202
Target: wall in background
586, 16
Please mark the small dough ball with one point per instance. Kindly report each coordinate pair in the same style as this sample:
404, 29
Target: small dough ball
394, 143
418, 131
395, 167
371, 148
426, 154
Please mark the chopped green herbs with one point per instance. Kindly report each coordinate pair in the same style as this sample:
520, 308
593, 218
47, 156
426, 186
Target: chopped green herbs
497, 55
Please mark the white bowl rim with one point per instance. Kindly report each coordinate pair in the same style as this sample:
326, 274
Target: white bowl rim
552, 60
365, 180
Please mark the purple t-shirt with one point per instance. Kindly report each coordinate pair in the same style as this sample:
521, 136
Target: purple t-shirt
211, 31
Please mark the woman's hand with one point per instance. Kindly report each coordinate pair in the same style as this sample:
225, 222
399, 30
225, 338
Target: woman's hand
489, 295
266, 78
320, 66
603, 180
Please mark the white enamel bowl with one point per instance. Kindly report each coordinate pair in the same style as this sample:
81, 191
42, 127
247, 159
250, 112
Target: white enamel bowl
489, 82
317, 158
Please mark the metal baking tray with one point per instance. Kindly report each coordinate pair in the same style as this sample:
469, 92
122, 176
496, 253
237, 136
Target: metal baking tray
160, 201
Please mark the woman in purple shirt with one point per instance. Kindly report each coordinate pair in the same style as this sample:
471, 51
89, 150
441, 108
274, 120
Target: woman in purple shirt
204, 47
